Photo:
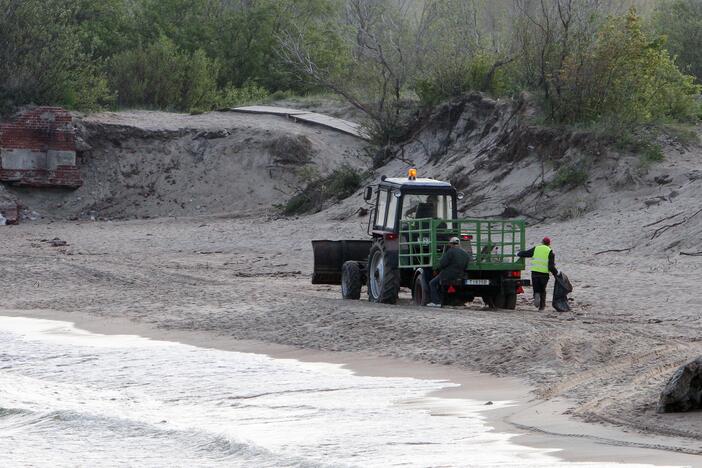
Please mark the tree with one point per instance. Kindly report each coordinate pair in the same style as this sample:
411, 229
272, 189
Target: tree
627, 77
380, 49
467, 50
41, 59
165, 77
681, 22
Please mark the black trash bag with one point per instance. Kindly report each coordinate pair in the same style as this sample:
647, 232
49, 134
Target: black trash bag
560, 293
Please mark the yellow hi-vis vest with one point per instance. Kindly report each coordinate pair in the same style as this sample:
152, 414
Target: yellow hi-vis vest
539, 262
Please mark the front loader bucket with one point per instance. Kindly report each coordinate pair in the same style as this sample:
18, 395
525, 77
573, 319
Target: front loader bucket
329, 256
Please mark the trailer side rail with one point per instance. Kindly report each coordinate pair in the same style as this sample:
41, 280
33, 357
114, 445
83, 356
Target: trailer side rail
493, 244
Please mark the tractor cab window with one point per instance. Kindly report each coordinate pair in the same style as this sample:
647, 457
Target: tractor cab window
427, 206
380, 208
444, 209
392, 212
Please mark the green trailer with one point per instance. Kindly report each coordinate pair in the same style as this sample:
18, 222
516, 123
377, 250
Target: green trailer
494, 271
410, 226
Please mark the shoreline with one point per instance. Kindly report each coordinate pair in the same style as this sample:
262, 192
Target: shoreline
537, 423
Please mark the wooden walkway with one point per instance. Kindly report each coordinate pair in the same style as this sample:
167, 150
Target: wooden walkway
350, 128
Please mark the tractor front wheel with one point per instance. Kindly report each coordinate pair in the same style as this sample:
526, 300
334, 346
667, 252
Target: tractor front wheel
383, 276
351, 280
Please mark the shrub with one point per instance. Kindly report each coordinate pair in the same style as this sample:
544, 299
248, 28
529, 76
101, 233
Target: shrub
650, 153
626, 77
164, 77
453, 79
681, 22
232, 96
569, 177
340, 184
41, 58
344, 181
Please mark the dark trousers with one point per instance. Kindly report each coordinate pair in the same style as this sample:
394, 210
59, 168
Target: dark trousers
435, 290
539, 281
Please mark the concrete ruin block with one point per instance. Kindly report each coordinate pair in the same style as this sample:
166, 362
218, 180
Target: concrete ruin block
10, 213
38, 149
683, 392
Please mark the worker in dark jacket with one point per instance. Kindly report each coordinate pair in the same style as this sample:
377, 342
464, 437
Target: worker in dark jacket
452, 266
543, 261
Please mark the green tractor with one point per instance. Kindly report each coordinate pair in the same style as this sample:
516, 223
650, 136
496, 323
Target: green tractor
410, 225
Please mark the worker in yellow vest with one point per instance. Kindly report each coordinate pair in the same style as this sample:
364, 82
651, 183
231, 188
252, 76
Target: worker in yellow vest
543, 261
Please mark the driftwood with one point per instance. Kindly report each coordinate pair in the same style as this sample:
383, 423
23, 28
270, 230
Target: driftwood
614, 250
692, 254
664, 219
662, 229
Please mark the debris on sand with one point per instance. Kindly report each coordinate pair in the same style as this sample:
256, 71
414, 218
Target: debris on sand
683, 392
56, 242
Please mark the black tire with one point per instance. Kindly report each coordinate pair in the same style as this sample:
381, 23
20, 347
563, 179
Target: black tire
420, 291
351, 280
502, 301
510, 301
383, 277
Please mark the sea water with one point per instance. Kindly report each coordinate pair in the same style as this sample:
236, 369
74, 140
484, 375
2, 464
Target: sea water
72, 398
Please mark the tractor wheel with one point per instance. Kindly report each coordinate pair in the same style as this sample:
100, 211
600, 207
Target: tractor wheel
351, 280
502, 301
383, 277
420, 292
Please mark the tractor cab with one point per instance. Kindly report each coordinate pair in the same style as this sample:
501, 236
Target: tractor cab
407, 199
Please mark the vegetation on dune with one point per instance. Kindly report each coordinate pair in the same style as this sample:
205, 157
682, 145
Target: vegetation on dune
587, 61
340, 184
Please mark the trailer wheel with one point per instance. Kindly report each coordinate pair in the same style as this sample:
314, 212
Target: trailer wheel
383, 277
420, 292
351, 280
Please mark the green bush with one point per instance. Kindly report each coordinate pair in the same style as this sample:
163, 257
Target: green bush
626, 77
454, 79
42, 60
569, 177
681, 22
164, 77
340, 184
649, 153
232, 96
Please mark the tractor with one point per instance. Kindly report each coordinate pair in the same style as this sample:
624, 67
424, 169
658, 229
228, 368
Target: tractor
410, 224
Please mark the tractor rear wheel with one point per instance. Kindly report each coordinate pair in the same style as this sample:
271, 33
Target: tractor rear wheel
383, 277
351, 280
420, 292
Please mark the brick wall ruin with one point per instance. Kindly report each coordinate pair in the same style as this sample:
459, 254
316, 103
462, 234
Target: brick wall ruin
9, 213
38, 149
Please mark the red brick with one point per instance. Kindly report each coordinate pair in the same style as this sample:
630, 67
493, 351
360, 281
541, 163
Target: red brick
31, 132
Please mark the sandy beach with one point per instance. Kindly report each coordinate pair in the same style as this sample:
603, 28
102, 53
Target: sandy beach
221, 280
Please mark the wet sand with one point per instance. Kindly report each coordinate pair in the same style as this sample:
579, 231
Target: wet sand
535, 423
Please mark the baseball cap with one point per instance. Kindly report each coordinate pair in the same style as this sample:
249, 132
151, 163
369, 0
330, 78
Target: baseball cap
454, 240
546, 240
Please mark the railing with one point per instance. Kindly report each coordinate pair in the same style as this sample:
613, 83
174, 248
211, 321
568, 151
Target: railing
492, 244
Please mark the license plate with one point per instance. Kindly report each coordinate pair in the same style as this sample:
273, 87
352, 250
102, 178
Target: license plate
477, 282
